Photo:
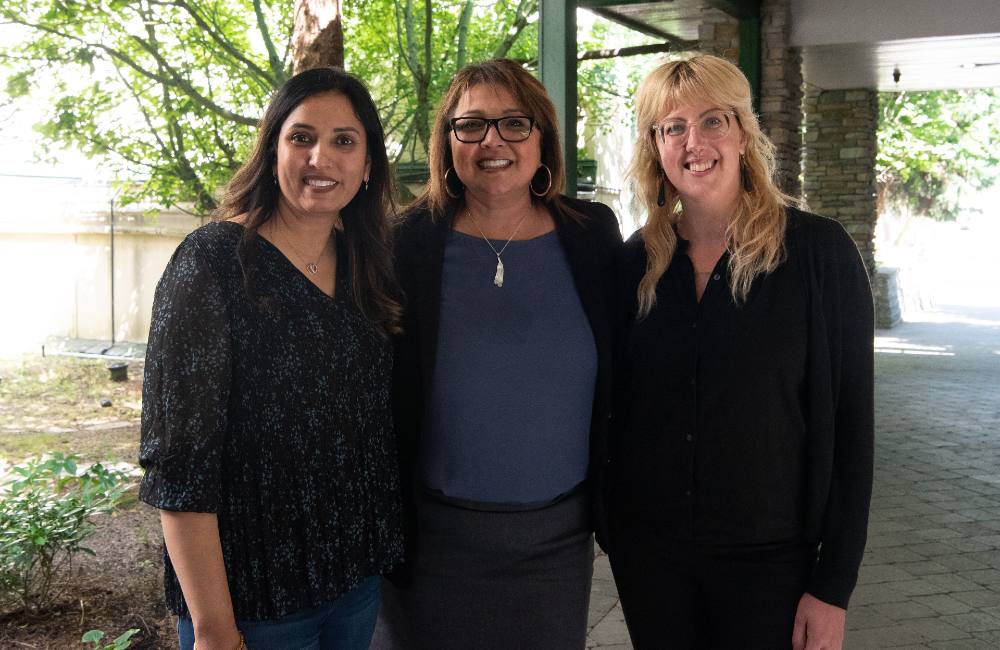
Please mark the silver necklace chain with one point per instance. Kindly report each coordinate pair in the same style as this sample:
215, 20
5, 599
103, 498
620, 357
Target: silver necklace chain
312, 267
498, 277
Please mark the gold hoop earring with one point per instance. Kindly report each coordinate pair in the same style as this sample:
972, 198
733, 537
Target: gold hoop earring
531, 185
447, 184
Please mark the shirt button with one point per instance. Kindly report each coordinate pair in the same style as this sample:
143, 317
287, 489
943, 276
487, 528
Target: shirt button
687, 493
689, 437
693, 381
694, 325
716, 276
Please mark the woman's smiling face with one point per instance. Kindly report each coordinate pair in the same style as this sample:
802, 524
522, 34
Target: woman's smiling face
494, 167
322, 156
701, 167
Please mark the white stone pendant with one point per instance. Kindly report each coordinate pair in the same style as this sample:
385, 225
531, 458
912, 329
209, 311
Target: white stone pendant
498, 278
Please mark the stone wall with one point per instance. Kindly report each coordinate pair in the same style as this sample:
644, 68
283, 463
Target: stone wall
781, 93
839, 161
719, 34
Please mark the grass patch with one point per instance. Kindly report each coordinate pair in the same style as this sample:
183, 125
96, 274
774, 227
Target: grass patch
52, 404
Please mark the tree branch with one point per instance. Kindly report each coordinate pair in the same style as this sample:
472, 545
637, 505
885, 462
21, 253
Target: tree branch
174, 80
277, 65
225, 44
524, 9
463, 34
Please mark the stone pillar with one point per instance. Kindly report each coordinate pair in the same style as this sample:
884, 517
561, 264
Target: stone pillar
719, 34
839, 161
781, 93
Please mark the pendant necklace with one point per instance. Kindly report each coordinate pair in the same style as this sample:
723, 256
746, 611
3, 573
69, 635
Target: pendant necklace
312, 267
498, 278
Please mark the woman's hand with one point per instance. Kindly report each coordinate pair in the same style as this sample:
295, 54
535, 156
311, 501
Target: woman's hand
219, 639
818, 625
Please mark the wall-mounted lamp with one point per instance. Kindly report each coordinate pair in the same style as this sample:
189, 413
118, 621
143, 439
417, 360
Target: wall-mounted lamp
896, 75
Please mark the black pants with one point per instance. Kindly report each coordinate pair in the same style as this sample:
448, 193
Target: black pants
680, 596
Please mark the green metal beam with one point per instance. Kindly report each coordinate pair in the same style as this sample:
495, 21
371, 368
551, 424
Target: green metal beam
749, 61
557, 56
738, 8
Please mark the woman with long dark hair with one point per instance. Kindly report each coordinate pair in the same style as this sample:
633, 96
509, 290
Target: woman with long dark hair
266, 427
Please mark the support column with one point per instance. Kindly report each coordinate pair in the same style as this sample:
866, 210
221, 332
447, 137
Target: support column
839, 163
557, 56
781, 93
719, 34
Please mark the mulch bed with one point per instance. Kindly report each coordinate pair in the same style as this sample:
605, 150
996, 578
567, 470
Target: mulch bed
120, 587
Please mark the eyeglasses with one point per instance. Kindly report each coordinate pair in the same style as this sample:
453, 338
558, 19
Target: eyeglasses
712, 126
513, 128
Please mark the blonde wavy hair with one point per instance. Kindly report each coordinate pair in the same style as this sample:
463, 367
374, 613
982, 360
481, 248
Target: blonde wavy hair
755, 235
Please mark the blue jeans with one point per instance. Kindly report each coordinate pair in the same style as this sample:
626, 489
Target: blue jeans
345, 624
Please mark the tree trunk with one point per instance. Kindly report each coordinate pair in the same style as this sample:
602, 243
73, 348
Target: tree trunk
318, 35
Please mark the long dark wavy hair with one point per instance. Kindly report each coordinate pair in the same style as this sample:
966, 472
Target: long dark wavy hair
366, 219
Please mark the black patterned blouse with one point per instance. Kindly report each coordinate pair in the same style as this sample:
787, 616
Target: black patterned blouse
272, 410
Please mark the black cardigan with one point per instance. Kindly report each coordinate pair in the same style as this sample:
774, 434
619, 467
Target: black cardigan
836, 392
591, 242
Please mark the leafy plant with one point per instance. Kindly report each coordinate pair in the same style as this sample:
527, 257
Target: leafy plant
45, 515
933, 146
124, 641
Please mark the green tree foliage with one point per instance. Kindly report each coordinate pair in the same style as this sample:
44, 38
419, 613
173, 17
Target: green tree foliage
169, 91
935, 146
408, 52
165, 91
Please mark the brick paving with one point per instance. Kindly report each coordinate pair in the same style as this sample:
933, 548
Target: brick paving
931, 574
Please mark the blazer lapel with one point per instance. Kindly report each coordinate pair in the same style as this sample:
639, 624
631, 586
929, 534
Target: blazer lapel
429, 269
586, 276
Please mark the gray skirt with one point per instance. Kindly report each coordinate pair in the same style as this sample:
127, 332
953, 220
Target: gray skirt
485, 579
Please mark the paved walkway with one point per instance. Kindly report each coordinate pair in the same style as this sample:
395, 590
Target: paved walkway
931, 575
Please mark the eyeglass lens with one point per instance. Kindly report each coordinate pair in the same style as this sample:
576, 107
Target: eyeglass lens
473, 129
711, 126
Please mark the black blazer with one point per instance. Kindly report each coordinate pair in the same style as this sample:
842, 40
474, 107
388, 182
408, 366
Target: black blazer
591, 242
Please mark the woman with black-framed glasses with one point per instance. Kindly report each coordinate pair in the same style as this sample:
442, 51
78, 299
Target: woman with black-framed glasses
502, 378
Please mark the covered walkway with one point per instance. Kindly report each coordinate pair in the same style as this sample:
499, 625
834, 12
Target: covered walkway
931, 576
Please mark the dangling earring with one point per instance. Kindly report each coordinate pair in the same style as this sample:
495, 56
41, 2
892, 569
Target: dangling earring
457, 194
548, 187
661, 195
745, 179
366, 184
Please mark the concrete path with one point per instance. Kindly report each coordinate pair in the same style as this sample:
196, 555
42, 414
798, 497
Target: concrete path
931, 575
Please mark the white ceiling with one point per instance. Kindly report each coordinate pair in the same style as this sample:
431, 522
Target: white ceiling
859, 43
933, 44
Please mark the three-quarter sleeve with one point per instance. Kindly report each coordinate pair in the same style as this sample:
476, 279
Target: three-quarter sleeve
186, 386
849, 324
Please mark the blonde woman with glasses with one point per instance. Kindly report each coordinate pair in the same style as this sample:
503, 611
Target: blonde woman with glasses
741, 465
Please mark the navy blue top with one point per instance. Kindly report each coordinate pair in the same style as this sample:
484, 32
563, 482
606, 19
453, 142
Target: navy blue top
509, 417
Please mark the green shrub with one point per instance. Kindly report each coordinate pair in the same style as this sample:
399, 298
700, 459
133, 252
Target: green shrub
121, 643
45, 509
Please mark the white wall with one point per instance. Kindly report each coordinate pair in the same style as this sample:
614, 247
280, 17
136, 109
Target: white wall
57, 279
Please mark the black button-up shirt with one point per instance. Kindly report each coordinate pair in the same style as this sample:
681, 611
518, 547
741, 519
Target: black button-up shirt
751, 422
715, 411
